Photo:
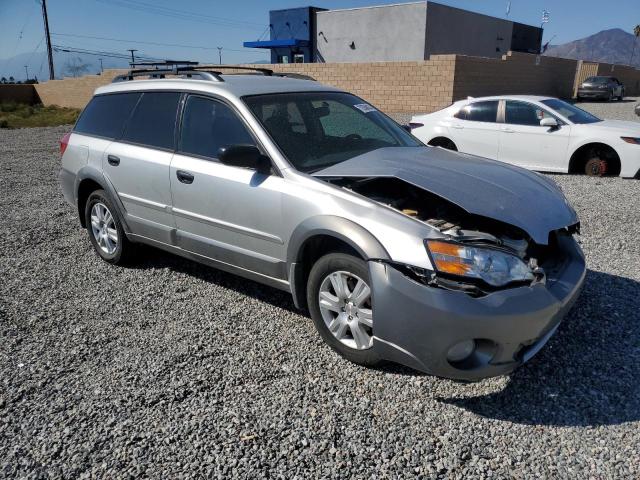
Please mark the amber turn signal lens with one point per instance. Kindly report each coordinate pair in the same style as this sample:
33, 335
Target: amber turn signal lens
448, 257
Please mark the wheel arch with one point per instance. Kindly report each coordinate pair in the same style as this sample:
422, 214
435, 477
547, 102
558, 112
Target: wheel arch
578, 157
320, 235
440, 140
88, 180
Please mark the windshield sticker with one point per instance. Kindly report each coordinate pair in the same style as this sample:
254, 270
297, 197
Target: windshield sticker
365, 107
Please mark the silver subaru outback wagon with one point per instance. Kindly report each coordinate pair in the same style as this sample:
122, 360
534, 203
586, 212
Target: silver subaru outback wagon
448, 263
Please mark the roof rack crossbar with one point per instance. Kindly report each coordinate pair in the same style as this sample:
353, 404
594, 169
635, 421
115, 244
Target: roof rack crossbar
188, 69
186, 72
265, 71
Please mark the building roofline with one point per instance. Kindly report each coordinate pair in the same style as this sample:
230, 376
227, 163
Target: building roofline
401, 4
477, 13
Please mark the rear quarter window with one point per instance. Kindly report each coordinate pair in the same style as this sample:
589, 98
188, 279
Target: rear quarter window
105, 115
154, 120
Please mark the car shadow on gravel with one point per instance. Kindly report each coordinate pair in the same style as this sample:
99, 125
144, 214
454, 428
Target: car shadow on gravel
589, 372
152, 258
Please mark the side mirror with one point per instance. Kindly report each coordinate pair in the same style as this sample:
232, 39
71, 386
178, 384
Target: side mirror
549, 122
246, 156
406, 127
638, 109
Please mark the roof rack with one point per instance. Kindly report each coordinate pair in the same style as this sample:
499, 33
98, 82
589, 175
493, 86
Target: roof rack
189, 69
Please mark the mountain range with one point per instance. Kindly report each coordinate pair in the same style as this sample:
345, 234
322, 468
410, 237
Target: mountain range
608, 46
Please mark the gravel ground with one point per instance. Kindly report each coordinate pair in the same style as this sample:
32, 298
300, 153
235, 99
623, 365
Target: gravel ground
170, 369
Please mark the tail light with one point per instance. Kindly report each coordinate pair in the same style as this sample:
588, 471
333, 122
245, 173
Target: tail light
415, 125
64, 141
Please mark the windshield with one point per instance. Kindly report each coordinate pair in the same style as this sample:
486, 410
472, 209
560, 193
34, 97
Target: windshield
318, 129
597, 80
573, 113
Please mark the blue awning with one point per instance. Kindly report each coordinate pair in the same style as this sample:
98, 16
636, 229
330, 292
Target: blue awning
289, 42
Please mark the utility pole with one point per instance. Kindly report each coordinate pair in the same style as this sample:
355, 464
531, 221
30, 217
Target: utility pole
48, 35
220, 55
133, 59
101, 69
26, 69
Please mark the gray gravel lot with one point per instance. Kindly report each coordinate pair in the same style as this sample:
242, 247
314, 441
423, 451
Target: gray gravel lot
171, 369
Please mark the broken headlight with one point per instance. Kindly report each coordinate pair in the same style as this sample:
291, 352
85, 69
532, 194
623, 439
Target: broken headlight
495, 267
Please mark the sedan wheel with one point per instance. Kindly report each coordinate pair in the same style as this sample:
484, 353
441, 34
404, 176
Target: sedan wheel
345, 304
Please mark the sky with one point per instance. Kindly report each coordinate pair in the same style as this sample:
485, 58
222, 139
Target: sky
195, 28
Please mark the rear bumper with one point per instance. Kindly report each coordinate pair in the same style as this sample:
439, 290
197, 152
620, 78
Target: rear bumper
416, 325
67, 182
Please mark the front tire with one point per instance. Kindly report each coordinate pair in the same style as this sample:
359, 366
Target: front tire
105, 229
339, 300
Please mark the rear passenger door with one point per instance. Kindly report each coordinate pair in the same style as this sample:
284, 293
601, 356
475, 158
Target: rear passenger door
137, 164
230, 214
475, 129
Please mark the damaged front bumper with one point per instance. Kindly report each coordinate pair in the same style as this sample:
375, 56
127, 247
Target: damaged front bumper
417, 325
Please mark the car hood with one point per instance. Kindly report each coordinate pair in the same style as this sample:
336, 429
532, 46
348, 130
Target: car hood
624, 126
480, 186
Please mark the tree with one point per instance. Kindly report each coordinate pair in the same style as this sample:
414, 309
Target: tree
636, 32
3, 80
75, 67
12, 80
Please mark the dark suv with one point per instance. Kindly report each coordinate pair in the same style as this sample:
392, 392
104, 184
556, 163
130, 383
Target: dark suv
601, 88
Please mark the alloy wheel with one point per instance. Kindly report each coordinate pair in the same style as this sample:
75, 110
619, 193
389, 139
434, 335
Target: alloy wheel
103, 227
345, 305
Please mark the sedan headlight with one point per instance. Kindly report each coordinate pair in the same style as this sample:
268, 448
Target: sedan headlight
635, 140
495, 267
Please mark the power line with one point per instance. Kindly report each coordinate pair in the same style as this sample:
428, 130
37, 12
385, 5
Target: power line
145, 42
182, 14
84, 51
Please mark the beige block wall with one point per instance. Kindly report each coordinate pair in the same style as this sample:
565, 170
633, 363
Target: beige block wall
73, 92
393, 87
409, 87
584, 69
515, 73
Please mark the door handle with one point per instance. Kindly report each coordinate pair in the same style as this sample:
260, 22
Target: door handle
508, 130
184, 177
113, 160
457, 125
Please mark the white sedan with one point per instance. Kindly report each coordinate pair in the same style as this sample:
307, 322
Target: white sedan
538, 133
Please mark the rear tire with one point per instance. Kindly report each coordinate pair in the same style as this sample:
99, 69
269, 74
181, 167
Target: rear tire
339, 300
105, 229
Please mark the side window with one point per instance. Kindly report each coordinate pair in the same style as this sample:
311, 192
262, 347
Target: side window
486, 111
105, 115
522, 113
208, 125
154, 119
